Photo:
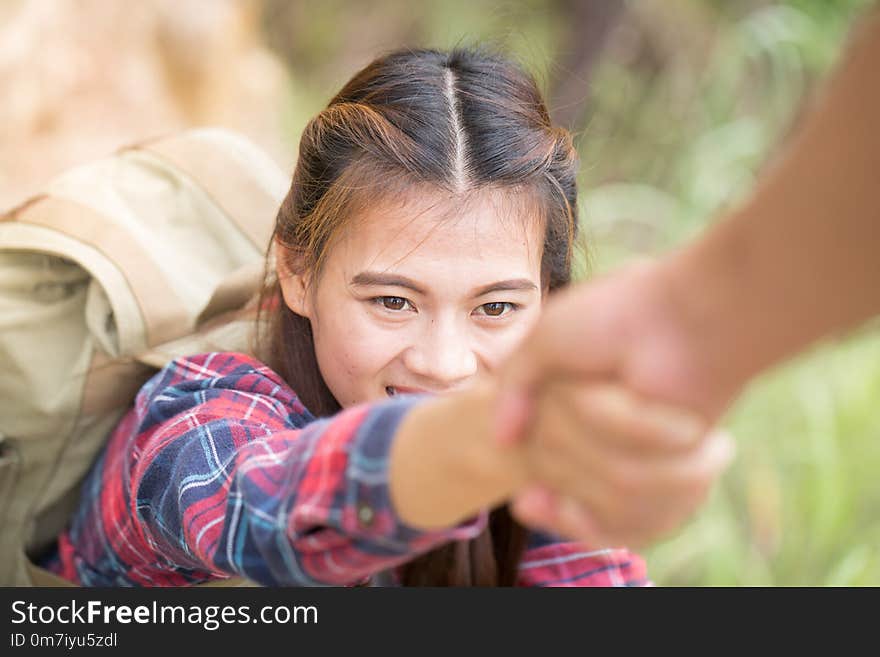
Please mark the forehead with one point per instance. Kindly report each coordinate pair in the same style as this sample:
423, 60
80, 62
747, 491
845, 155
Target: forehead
493, 229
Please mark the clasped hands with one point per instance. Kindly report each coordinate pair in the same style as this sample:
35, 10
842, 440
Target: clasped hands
612, 410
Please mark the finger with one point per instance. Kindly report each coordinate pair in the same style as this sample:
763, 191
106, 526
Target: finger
629, 420
578, 432
632, 498
535, 506
651, 505
576, 521
513, 413
598, 430
565, 342
571, 339
565, 452
541, 509
697, 469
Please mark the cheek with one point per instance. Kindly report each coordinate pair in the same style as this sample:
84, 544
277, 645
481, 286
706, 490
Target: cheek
337, 344
353, 347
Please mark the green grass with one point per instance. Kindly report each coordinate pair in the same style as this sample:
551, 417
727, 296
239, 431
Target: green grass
800, 505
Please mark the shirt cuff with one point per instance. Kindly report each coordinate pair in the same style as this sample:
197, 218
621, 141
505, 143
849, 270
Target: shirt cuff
369, 512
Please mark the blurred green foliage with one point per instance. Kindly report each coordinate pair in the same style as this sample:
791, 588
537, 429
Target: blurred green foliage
688, 100
687, 131
666, 149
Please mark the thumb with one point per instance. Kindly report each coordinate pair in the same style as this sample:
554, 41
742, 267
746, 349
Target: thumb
514, 404
565, 343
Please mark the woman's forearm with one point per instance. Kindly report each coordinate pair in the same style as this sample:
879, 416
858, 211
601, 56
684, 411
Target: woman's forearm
443, 465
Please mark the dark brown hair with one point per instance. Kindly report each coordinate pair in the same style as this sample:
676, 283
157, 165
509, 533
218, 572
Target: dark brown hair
455, 123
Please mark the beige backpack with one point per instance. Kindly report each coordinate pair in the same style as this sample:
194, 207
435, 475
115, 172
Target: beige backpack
122, 265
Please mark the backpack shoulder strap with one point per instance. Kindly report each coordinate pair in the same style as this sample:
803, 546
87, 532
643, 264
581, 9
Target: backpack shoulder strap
248, 196
162, 310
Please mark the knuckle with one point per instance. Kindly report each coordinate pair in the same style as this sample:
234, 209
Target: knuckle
699, 481
698, 489
625, 479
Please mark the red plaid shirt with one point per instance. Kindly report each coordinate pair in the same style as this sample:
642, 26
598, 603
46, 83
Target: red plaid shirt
219, 470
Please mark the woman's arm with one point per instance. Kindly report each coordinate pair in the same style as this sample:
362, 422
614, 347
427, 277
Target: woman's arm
221, 471
225, 482
445, 467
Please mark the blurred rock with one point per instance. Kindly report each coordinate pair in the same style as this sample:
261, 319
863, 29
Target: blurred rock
83, 77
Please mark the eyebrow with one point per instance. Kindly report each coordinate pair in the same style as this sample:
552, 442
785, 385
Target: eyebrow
367, 278
513, 284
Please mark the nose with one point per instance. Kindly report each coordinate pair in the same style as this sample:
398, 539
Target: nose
442, 355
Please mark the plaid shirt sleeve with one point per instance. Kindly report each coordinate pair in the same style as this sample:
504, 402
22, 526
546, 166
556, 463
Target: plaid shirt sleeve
551, 562
219, 470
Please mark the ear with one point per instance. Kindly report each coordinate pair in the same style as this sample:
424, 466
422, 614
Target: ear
294, 280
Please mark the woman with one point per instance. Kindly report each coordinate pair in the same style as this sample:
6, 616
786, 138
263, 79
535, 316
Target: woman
432, 210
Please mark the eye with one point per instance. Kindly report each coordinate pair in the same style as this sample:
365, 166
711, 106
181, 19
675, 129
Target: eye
496, 308
393, 303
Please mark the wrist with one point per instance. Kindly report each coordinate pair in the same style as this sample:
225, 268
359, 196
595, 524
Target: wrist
444, 466
713, 289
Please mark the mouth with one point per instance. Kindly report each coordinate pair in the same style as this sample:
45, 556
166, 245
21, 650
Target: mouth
394, 391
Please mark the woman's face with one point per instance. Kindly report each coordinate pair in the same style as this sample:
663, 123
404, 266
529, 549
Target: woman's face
414, 297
